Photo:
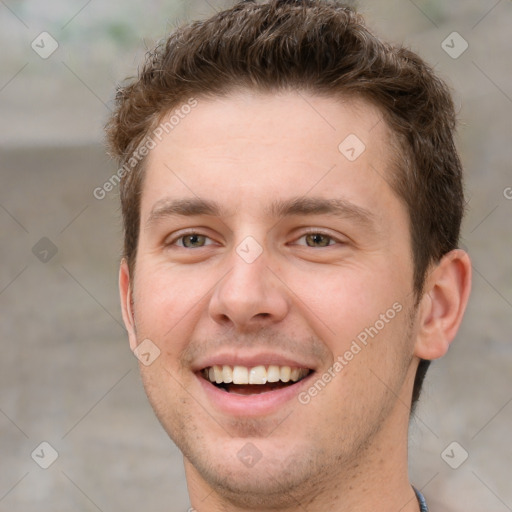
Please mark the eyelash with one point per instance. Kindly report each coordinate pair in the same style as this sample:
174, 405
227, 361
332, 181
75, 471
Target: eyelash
308, 232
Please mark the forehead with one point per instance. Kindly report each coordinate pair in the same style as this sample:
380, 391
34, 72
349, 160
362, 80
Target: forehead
247, 148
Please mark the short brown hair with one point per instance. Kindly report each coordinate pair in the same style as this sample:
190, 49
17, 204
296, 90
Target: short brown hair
318, 46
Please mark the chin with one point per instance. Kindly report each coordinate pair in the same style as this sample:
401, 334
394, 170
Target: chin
269, 483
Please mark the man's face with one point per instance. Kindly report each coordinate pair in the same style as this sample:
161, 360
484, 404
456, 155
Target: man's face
275, 280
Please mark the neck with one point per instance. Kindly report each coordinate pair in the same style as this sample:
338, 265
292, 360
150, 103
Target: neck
377, 480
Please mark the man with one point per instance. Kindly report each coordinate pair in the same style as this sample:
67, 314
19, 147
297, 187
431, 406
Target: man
292, 202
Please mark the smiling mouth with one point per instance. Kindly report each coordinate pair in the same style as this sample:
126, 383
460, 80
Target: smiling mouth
242, 380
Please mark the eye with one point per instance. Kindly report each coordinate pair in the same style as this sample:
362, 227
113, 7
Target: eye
190, 241
317, 239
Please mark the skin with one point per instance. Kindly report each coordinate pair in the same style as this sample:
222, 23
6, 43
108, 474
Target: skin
304, 296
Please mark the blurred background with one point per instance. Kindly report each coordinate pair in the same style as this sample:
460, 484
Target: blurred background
67, 377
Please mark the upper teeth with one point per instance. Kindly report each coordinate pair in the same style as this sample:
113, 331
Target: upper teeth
256, 375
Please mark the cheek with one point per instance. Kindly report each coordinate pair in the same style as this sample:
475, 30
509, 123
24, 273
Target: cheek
344, 301
165, 303
160, 288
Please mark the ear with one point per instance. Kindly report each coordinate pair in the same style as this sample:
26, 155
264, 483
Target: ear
125, 292
442, 305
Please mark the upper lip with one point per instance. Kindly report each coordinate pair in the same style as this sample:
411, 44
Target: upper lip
233, 358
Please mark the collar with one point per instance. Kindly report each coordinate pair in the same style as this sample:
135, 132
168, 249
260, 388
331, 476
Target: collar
421, 500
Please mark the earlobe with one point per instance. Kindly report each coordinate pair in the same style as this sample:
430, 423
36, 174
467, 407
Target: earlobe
442, 306
125, 292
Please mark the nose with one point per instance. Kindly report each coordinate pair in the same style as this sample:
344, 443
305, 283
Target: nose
250, 296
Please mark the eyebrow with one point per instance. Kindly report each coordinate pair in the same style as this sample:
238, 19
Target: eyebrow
279, 209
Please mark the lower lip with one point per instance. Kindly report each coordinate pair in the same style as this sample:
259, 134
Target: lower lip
252, 405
